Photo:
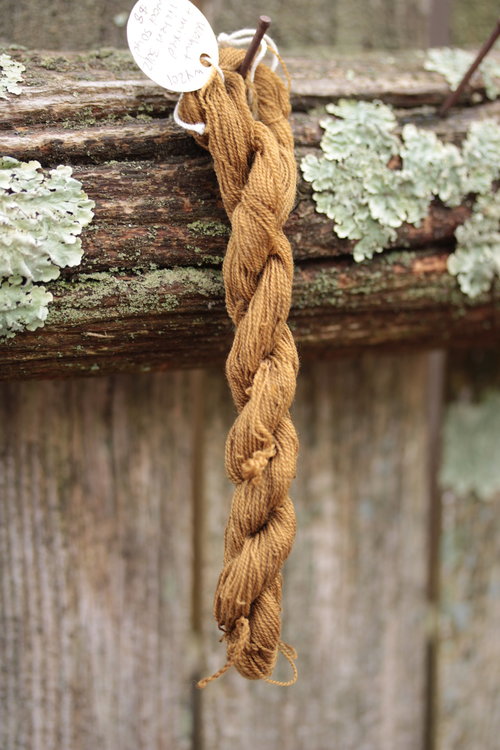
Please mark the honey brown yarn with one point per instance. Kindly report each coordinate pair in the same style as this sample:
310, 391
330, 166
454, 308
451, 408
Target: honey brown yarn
254, 161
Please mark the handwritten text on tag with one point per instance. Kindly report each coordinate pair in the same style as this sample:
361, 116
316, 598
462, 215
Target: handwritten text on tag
166, 38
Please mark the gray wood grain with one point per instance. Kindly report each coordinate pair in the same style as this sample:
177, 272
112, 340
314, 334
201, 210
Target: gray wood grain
348, 24
56, 24
354, 593
469, 650
95, 574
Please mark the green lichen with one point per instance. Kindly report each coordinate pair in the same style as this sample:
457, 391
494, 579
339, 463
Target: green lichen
476, 259
206, 282
116, 60
209, 228
86, 295
206, 258
53, 63
322, 289
471, 449
40, 219
481, 154
368, 197
453, 63
213, 260
10, 76
22, 305
130, 296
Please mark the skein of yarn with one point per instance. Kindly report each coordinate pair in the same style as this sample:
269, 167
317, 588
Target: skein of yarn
253, 155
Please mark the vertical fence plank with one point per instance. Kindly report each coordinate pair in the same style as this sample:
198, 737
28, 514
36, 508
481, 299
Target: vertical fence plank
469, 665
439, 23
348, 25
355, 598
95, 553
57, 24
472, 23
381, 24
288, 27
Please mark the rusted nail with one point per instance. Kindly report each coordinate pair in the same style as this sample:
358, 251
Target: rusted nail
264, 23
453, 97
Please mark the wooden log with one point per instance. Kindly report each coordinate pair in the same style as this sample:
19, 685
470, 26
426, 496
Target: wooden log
148, 292
106, 84
176, 317
354, 592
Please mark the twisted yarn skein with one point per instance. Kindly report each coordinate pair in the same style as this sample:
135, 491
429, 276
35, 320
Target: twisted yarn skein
254, 161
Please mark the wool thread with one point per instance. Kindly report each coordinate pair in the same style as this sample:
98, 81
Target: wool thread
255, 165
242, 38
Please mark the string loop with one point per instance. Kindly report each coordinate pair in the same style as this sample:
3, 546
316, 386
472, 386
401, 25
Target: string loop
239, 38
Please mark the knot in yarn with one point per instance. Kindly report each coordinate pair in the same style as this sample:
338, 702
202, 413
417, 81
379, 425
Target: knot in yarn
254, 160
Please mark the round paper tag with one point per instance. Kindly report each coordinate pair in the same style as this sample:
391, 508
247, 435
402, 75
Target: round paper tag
166, 38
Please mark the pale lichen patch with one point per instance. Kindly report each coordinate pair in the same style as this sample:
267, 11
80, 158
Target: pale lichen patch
160, 291
10, 76
471, 449
40, 219
22, 306
371, 181
476, 259
209, 228
453, 63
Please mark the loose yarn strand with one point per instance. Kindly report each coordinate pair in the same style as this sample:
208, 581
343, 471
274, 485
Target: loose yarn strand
290, 655
253, 155
236, 651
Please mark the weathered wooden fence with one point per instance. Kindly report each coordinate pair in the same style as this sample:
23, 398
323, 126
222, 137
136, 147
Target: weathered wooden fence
113, 494
348, 25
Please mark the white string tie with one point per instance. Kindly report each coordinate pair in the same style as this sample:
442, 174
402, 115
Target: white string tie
242, 38
214, 64
198, 127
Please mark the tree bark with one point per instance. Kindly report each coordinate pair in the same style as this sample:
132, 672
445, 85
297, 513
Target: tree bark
149, 292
